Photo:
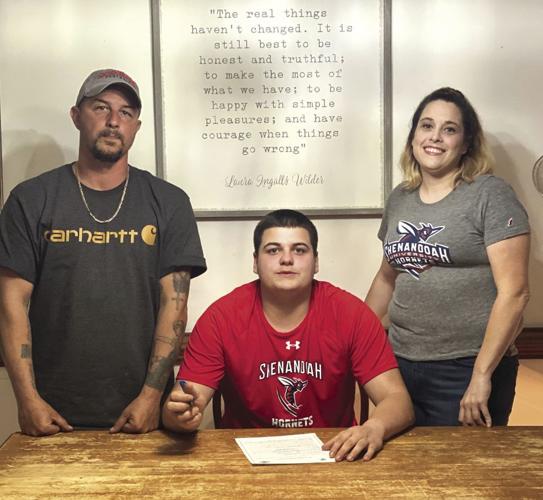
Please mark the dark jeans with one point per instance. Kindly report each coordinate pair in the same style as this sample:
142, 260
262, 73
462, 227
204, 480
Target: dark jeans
436, 388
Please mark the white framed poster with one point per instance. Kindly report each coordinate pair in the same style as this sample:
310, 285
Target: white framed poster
273, 105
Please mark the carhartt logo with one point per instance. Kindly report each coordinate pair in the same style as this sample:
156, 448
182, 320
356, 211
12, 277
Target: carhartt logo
148, 235
81, 235
295, 345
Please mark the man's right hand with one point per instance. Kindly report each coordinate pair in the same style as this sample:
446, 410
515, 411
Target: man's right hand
184, 406
38, 418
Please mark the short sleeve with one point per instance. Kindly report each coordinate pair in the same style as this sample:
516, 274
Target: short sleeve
19, 248
203, 361
390, 204
500, 213
180, 242
383, 228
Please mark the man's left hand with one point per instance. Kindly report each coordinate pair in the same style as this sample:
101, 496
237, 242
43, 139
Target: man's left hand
348, 444
140, 416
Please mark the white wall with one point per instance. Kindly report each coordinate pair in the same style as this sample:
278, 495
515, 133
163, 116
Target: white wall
46, 51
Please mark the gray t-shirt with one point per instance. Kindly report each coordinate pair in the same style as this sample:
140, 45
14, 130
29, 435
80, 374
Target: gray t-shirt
96, 291
445, 290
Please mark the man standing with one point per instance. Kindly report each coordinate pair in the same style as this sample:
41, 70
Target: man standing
95, 264
286, 351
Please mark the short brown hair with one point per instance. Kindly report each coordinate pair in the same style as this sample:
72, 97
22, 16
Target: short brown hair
285, 218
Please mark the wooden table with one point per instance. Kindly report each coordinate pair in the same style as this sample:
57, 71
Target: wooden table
446, 462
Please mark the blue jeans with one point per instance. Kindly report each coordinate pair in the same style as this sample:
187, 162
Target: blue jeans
436, 388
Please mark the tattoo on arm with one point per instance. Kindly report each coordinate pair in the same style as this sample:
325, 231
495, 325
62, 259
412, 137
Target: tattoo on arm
166, 340
159, 370
182, 338
181, 285
26, 351
161, 366
178, 329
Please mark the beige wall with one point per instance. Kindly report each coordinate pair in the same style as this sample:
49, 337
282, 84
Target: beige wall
8, 415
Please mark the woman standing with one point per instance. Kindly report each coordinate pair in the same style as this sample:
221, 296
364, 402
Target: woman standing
454, 277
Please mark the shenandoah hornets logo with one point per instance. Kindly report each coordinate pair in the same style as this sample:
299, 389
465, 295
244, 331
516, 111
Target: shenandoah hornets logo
412, 252
292, 387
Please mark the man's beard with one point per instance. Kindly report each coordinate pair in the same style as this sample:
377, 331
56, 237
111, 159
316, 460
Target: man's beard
108, 156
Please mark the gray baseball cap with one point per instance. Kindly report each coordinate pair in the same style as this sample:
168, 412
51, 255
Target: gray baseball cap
101, 79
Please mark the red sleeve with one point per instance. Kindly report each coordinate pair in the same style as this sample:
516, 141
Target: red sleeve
371, 352
203, 362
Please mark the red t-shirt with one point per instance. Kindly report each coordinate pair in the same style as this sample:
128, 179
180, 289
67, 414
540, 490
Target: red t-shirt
302, 378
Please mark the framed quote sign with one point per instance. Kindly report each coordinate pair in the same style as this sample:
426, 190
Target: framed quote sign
271, 105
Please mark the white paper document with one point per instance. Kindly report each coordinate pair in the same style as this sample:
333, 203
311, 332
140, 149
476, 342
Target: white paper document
293, 449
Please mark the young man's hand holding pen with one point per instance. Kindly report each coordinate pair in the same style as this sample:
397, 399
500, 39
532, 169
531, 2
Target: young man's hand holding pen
182, 404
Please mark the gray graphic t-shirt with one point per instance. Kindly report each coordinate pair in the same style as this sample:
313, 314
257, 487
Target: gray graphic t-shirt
445, 289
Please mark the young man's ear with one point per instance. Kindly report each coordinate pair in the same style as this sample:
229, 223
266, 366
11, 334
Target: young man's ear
254, 263
75, 114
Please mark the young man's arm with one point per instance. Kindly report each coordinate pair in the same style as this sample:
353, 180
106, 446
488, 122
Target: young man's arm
184, 408
143, 413
393, 412
36, 417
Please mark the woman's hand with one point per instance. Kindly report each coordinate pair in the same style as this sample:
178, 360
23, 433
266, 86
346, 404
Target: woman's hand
474, 404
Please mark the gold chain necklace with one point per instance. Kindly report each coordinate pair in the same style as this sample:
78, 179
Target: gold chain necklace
105, 221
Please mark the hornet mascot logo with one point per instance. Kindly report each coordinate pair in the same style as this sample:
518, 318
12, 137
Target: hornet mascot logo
412, 252
414, 234
292, 386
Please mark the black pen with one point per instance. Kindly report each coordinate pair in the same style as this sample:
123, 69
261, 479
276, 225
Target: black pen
182, 384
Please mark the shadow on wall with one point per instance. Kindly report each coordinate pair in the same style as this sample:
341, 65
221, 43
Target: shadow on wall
514, 163
27, 153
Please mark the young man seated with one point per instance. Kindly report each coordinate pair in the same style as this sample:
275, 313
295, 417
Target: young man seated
286, 350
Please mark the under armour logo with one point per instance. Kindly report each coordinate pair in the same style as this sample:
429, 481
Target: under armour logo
295, 345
